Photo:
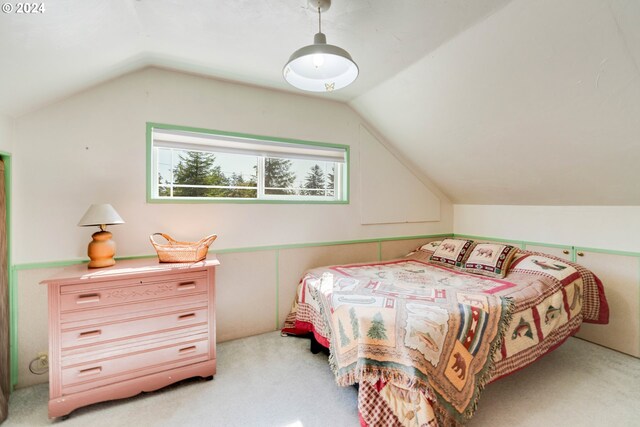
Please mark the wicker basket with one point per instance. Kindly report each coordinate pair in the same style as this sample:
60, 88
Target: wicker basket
176, 251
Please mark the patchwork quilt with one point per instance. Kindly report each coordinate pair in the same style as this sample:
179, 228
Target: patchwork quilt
422, 340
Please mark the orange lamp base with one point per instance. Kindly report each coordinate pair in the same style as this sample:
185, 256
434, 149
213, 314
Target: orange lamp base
101, 250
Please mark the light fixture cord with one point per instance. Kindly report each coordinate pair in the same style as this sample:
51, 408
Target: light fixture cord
319, 18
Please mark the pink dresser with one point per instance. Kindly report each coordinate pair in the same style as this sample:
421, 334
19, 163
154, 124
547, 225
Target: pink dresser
137, 326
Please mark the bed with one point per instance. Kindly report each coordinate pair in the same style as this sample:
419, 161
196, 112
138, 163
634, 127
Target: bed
422, 335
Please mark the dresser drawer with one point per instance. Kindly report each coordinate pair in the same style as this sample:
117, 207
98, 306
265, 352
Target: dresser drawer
82, 297
80, 318
130, 328
80, 377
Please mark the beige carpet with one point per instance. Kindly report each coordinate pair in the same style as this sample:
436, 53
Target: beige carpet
269, 380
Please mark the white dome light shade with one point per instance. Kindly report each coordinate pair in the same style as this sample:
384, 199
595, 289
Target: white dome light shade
320, 67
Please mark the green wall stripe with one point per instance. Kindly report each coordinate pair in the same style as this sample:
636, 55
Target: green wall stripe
332, 243
548, 245
574, 249
51, 264
379, 240
521, 243
471, 237
64, 263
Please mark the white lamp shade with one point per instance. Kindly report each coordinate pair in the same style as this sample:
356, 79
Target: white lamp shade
100, 214
320, 67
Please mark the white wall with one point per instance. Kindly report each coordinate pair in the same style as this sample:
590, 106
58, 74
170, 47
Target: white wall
538, 104
604, 227
90, 148
6, 134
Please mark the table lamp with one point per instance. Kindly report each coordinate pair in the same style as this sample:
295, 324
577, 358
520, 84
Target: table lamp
101, 249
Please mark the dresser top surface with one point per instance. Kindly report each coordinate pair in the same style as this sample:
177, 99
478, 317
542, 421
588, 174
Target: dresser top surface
124, 268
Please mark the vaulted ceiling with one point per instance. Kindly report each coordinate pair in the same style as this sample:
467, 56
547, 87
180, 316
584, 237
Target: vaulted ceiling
498, 101
537, 105
77, 43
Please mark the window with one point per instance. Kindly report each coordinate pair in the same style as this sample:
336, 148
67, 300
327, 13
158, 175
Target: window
198, 164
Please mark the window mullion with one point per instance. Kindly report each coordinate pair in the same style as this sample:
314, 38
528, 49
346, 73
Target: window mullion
171, 173
337, 182
260, 177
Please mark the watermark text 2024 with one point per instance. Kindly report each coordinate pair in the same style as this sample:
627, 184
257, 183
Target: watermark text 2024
23, 8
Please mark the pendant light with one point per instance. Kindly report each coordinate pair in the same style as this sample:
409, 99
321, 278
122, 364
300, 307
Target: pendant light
320, 67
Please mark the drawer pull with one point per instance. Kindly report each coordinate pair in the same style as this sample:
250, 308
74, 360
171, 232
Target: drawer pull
83, 299
186, 350
580, 254
186, 316
566, 252
90, 371
186, 286
90, 334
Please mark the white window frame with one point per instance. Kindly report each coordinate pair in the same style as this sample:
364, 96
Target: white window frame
205, 140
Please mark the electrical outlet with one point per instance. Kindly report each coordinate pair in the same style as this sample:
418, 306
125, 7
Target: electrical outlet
39, 365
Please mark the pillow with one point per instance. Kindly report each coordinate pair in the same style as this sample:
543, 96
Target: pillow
451, 252
431, 246
489, 259
424, 251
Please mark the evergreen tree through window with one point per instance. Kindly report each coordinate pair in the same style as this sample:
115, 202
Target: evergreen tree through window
187, 164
